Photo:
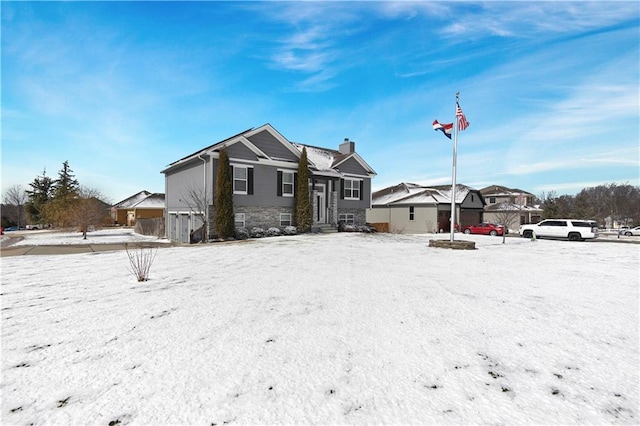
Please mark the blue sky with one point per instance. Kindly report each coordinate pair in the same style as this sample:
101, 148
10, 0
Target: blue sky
122, 89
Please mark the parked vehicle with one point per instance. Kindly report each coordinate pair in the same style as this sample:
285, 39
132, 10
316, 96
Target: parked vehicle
11, 228
484, 228
571, 229
630, 232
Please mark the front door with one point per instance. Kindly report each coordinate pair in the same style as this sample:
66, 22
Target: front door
321, 203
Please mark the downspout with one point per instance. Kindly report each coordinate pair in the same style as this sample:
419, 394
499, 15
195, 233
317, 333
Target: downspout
205, 225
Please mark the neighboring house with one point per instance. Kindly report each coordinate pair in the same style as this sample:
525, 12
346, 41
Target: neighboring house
143, 205
515, 205
264, 171
412, 208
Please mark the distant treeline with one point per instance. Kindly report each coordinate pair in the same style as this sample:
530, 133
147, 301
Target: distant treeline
610, 205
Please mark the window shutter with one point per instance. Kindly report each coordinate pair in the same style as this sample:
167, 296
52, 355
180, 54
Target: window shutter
279, 184
342, 189
250, 180
361, 189
295, 183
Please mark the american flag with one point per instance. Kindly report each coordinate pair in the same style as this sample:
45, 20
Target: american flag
462, 120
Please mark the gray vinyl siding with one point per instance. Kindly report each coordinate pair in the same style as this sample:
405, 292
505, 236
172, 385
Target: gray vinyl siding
241, 152
265, 188
263, 206
178, 181
365, 203
352, 166
472, 200
272, 147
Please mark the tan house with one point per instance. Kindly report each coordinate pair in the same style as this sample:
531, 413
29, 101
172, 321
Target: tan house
412, 208
143, 205
510, 206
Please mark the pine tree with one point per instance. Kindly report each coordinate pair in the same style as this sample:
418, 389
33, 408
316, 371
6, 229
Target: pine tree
59, 209
303, 216
225, 220
66, 185
39, 195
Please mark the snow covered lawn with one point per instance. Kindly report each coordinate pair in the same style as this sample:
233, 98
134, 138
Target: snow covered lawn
100, 236
328, 329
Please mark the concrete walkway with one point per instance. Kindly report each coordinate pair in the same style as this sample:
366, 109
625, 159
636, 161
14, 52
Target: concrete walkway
9, 250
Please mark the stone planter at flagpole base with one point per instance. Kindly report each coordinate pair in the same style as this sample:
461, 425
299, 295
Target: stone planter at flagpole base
455, 245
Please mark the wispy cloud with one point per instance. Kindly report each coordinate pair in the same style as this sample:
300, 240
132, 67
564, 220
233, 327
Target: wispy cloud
534, 19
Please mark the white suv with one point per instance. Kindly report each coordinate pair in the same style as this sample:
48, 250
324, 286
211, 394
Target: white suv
573, 229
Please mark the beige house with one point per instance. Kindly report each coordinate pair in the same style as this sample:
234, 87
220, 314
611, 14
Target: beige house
412, 208
510, 206
143, 205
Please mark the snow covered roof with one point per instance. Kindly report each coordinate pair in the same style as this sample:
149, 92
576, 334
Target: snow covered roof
512, 207
322, 161
444, 193
321, 158
502, 191
411, 193
133, 200
143, 199
153, 201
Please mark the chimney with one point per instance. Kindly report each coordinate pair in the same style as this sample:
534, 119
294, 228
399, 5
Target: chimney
347, 147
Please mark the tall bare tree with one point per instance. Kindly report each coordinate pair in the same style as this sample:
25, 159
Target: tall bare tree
87, 210
15, 198
198, 200
508, 214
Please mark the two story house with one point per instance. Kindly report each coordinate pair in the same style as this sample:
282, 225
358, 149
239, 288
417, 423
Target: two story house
264, 171
511, 205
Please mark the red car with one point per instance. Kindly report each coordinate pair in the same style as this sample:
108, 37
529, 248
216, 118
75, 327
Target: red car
484, 229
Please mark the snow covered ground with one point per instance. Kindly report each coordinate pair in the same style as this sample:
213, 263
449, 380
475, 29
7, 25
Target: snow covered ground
101, 236
326, 329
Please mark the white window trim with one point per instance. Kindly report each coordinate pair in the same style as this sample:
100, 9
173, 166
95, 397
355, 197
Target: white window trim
346, 216
290, 220
246, 180
293, 183
352, 189
244, 220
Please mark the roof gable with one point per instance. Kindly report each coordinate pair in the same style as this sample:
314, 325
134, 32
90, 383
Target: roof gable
266, 144
273, 144
153, 201
132, 200
502, 191
407, 193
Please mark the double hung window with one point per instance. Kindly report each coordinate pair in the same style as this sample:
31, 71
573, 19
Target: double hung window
240, 180
351, 189
287, 184
285, 219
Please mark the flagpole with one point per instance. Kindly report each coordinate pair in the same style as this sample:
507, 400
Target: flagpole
453, 172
